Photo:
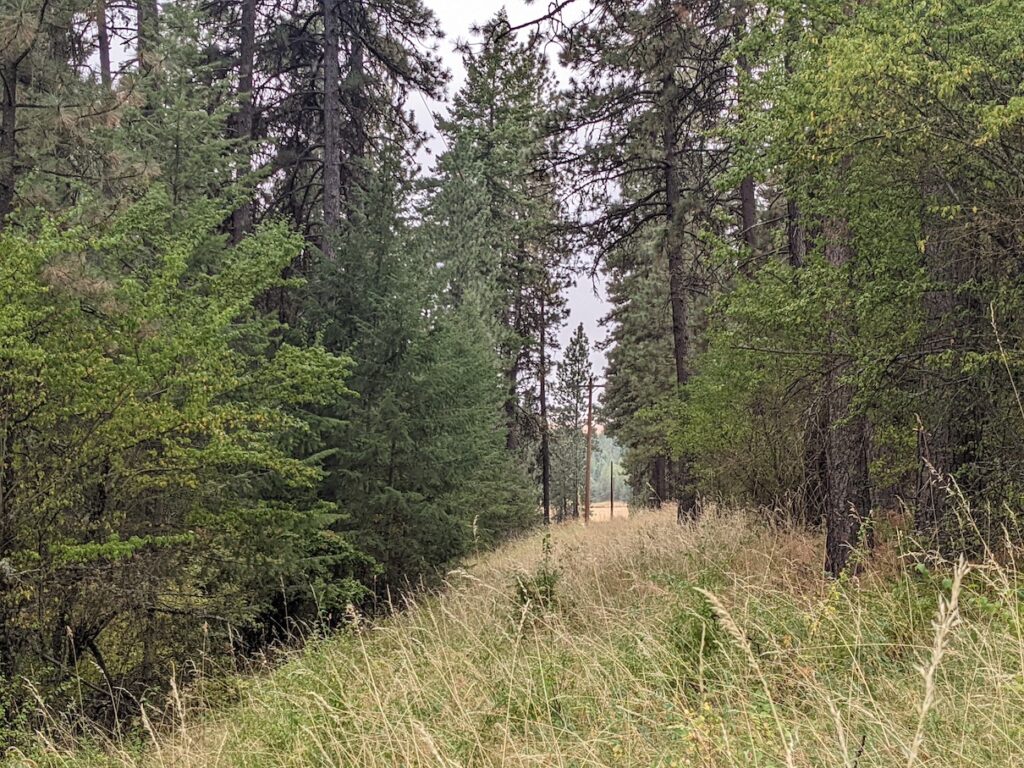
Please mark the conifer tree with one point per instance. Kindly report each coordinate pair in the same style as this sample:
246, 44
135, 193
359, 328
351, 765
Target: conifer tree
145, 482
640, 378
418, 458
570, 419
498, 203
650, 84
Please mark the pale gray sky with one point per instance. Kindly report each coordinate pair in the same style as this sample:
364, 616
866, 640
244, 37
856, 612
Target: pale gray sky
457, 17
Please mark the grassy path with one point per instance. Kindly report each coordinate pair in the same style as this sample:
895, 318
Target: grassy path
638, 643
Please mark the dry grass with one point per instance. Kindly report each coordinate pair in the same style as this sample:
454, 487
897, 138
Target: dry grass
639, 643
604, 511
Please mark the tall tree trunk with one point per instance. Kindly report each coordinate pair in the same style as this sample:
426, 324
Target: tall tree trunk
678, 274
8, 137
510, 319
677, 271
796, 232
748, 205
796, 236
148, 20
748, 197
103, 43
332, 127
511, 406
241, 219
10, 63
545, 451
356, 101
849, 491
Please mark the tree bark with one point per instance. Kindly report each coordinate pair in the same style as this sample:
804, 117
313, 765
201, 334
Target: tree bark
545, 451
8, 137
849, 491
748, 205
678, 277
331, 127
673, 242
103, 44
796, 233
748, 197
241, 219
356, 101
148, 15
796, 237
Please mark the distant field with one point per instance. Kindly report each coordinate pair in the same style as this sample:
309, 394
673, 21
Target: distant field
601, 512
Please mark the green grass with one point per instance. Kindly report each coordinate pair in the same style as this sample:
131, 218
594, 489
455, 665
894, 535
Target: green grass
637, 643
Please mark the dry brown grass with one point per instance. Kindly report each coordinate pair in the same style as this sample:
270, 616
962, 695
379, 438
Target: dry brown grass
640, 643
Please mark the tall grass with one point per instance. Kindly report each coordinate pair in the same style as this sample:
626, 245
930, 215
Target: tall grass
640, 643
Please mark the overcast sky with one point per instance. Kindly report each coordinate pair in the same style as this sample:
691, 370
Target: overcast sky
457, 19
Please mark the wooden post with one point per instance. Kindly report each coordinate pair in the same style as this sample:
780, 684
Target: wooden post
611, 489
590, 440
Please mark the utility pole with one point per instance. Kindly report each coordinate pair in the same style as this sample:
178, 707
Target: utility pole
611, 487
590, 441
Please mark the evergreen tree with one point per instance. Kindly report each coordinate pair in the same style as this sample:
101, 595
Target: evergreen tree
177, 435
640, 381
498, 206
144, 484
650, 85
570, 420
417, 458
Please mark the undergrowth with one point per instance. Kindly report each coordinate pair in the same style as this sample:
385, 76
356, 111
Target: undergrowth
638, 643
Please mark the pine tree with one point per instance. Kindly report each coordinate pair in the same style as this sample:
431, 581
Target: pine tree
570, 419
650, 84
498, 203
640, 378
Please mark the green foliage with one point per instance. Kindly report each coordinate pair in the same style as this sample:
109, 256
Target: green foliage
145, 493
743, 414
640, 378
419, 458
186, 471
569, 421
494, 214
898, 120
